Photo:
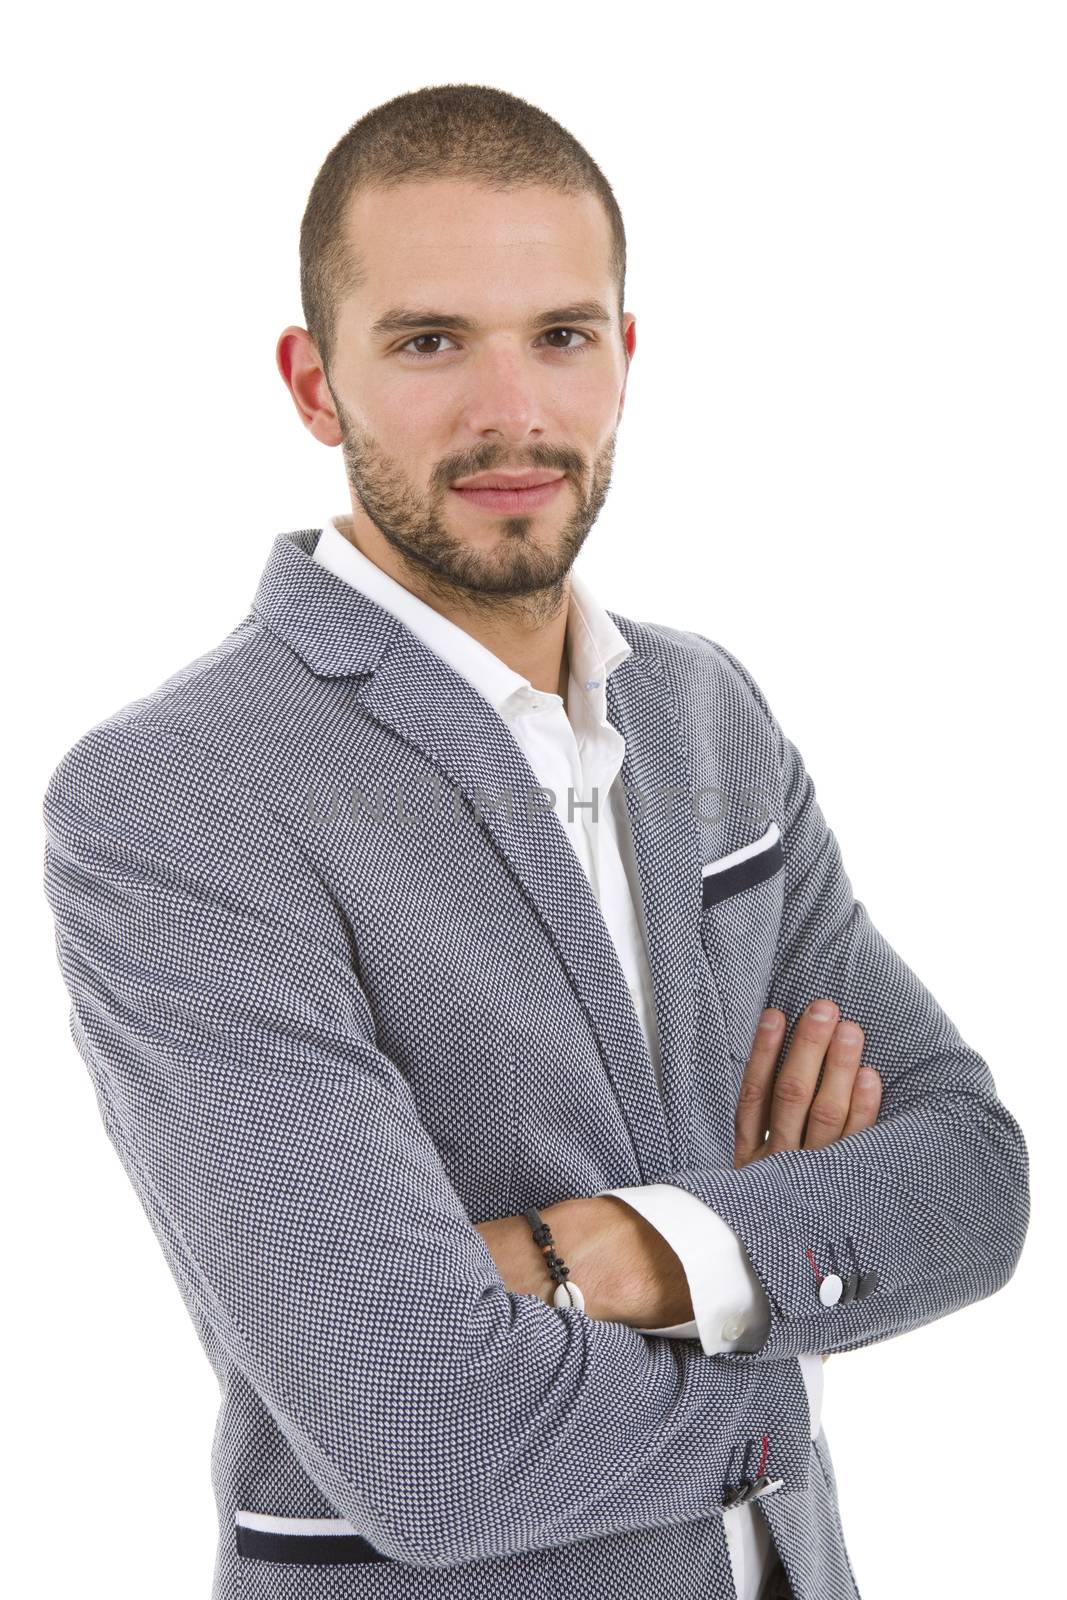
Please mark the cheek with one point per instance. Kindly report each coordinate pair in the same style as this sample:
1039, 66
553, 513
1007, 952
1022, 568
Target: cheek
590, 391
414, 430
587, 411
411, 411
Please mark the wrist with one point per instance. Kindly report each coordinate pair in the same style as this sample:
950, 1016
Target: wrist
562, 1289
604, 1243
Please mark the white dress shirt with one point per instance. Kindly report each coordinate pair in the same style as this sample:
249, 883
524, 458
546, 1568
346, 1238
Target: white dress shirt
576, 753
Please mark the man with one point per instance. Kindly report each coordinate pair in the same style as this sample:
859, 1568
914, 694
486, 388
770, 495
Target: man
437, 903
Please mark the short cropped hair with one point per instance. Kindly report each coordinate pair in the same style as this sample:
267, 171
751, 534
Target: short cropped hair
451, 130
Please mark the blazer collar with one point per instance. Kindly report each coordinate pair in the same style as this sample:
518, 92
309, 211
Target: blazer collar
339, 633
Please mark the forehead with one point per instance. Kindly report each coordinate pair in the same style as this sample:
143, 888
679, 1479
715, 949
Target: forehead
451, 242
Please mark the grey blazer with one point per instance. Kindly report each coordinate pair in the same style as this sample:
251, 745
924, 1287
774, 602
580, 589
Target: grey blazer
342, 992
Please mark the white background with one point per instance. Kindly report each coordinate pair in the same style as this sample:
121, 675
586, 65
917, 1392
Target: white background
842, 457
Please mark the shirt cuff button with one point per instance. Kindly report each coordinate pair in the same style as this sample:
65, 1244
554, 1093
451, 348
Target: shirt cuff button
733, 1327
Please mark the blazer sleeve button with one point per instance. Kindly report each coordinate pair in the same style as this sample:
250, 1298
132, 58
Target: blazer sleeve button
830, 1289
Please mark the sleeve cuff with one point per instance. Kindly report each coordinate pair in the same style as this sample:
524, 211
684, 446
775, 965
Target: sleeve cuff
730, 1309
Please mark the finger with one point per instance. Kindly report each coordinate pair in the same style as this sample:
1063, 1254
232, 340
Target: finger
830, 1107
866, 1100
795, 1084
754, 1099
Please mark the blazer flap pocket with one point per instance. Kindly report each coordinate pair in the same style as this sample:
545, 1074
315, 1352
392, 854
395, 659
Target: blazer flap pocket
750, 864
326, 1541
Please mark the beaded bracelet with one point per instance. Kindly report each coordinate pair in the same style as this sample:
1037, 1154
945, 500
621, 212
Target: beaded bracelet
566, 1294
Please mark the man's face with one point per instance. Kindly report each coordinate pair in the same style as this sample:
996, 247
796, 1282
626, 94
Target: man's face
425, 404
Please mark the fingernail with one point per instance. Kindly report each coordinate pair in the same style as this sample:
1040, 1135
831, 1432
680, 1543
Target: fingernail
821, 1010
848, 1033
769, 1019
869, 1076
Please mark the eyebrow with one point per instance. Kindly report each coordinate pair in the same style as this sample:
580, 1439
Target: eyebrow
400, 320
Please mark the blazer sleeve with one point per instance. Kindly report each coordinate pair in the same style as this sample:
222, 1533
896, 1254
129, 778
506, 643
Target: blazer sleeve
903, 1222
304, 1210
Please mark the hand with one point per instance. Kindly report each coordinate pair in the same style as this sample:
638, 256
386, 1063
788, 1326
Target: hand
788, 1107
848, 1098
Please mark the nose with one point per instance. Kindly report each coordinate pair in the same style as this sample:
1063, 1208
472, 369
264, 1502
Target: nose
505, 396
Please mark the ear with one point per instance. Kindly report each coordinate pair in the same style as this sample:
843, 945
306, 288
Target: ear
297, 359
629, 339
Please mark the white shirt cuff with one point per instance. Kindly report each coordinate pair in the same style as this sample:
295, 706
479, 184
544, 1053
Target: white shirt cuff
730, 1309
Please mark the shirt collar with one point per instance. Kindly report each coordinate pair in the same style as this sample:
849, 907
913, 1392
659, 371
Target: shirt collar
595, 646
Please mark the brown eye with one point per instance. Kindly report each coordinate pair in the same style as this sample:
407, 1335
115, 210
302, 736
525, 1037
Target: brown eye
423, 338
570, 332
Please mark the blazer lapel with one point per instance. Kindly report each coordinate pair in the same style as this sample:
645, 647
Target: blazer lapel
658, 791
339, 632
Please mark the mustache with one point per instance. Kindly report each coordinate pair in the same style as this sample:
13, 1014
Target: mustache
565, 461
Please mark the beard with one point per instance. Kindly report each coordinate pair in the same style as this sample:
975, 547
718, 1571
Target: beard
518, 573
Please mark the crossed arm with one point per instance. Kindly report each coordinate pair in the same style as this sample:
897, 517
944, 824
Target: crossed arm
627, 1270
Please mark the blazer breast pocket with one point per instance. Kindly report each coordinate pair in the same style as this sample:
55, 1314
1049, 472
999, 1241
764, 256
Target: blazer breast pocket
741, 914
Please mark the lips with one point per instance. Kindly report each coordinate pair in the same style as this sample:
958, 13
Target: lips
507, 480
511, 499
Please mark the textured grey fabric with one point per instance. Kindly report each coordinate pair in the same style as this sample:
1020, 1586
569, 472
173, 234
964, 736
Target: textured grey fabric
325, 1040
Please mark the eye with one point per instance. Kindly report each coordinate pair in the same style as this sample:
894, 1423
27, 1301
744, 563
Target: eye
420, 338
428, 355
567, 349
